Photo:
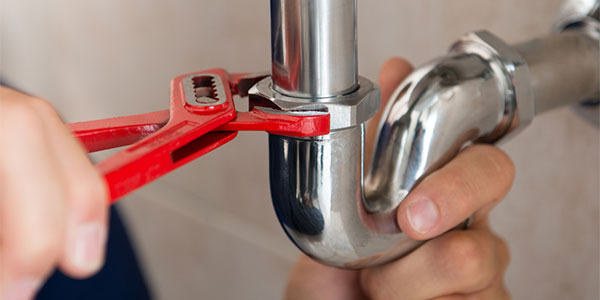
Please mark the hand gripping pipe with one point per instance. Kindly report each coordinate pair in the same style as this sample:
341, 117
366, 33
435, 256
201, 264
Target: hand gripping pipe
481, 91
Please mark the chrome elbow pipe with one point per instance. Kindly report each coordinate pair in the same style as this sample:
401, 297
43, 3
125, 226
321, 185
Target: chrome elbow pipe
482, 91
475, 93
317, 183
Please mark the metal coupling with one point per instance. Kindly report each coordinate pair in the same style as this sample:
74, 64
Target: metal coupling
345, 110
512, 70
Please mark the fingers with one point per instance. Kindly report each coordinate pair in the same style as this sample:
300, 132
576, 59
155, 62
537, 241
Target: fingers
311, 280
86, 200
392, 73
457, 263
475, 180
32, 208
53, 201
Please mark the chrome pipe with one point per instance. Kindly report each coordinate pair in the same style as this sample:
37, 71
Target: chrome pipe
482, 91
564, 68
317, 183
438, 109
313, 47
317, 194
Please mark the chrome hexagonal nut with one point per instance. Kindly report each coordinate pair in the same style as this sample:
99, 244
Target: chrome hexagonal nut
345, 110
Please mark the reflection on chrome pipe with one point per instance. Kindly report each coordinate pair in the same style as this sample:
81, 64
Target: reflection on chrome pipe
317, 183
313, 47
317, 194
436, 111
481, 91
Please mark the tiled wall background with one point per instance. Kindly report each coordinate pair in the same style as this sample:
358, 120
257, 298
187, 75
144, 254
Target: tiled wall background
208, 230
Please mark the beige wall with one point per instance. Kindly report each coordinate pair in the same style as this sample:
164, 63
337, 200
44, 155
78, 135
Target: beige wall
208, 230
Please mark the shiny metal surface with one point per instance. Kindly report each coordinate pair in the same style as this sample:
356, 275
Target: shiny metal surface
313, 47
346, 110
565, 68
511, 71
482, 91
437, 110
317, 194
317, 184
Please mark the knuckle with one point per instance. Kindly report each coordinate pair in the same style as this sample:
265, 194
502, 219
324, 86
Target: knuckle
467, 262
463, 250
41, 105
504, 165
21, 115
27, 114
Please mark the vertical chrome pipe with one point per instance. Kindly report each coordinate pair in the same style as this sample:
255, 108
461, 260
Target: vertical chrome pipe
313, 47
316, 183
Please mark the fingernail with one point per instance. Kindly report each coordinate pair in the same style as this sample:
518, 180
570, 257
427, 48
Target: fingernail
88, 248
24, 289
422, 214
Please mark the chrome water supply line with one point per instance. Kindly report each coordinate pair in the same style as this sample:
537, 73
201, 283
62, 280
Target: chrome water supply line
482, 91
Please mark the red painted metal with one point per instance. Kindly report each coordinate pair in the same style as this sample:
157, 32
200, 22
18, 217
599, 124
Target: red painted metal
164, 140
291, 125
120, 131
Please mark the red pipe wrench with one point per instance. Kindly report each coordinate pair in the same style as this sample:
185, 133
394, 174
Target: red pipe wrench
201, 118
